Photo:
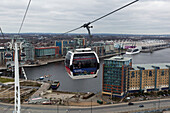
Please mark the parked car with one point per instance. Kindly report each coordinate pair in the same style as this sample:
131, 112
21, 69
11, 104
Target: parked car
46, 103
141, 105
130, 103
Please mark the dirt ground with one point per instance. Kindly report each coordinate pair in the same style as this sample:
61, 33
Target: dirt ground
72, 99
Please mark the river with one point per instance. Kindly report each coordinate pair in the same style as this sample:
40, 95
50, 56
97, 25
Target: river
58, 72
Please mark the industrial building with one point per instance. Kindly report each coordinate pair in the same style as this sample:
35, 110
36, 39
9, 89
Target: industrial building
121, 77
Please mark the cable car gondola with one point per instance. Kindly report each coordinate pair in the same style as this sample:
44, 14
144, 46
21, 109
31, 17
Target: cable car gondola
8, 55
82, 63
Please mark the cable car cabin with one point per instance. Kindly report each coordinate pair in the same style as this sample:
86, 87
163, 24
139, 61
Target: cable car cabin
82, 63
8, 55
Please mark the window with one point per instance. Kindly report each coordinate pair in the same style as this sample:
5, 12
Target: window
68, 57
162, 73
133, 74
87, 60
150, 73
136, 50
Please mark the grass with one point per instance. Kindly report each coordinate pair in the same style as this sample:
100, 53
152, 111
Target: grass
4, 80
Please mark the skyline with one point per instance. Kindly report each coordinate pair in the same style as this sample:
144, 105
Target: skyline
144, 17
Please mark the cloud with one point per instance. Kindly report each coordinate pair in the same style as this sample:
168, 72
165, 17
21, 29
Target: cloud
143, 17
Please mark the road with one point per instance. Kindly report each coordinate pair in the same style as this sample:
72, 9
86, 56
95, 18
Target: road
5, 108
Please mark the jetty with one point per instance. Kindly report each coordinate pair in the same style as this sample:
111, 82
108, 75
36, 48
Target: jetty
44, 87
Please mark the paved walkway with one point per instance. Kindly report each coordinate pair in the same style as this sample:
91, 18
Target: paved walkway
44, 87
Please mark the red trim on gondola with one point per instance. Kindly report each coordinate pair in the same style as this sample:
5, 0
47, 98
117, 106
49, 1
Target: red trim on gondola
83, 58
68, 70
92, 73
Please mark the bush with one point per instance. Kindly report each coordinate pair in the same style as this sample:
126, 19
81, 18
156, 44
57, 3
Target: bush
4, 80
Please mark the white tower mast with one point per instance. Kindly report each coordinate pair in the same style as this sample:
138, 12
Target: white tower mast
17, 84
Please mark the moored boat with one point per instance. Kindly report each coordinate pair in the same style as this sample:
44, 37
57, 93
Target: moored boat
132, 51
55, 84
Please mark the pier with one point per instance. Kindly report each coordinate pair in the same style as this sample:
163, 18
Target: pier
152, 48
44, 87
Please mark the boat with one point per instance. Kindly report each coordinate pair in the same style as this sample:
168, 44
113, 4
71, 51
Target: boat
47, 76
55, 84
132, 51
41, 78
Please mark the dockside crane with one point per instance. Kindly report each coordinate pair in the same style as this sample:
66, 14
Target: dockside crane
2, 33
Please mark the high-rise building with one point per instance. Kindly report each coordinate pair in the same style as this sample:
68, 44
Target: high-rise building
115, 70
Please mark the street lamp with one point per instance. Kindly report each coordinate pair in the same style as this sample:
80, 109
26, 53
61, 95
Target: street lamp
159, 103
57, 108
67, 111
91, 105
79, 111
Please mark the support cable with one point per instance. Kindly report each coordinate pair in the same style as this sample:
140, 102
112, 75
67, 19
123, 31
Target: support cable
24, 17
87, 24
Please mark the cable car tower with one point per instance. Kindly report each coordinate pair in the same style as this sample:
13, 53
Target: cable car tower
17, 85
84, 63
17, 107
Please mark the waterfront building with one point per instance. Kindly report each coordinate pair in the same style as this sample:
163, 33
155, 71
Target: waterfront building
99, 48
109, 47
2, 55
115, 70
148, 77
121, 77
45, 52
80, 42
66, 49
62, 44
100, 51
27, 51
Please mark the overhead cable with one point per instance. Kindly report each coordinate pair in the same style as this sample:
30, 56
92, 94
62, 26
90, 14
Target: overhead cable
24, 17
87, 24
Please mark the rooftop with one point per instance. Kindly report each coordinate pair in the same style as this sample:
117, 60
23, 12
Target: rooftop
83, 49
149, 66
119, 58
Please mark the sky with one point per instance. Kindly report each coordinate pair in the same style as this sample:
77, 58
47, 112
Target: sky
59, 16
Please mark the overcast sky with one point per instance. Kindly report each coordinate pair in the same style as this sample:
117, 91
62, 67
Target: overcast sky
59, 16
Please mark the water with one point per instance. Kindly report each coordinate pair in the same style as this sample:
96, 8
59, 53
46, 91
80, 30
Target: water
58, 72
